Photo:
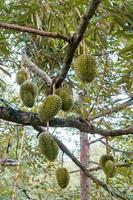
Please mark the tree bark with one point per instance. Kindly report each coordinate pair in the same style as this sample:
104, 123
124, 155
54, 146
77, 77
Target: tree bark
84, 159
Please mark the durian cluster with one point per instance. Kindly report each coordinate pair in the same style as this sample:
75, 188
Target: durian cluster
49, 148
52, 104
107, 163
67, 98
28, 90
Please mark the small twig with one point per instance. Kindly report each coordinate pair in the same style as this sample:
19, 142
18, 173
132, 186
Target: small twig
118, 150
107, 145
97, 140
25, 192
99, 168
114, 109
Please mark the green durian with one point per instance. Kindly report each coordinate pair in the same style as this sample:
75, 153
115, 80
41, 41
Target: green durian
49, 107
21, 76
110, 168
104, 158
28, 92
107, 164
48, 146
85, 68
63, 177
67, 98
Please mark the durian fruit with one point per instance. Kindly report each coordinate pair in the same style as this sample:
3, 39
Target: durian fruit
21, 76
48, 146
49, 107
67, 98
107, 163
104, 158
110, 168
28, 92
85, 67
63, 177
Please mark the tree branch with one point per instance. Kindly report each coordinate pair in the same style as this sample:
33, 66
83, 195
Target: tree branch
77, 37
85, 171
96, 140
99, 168
32, 67
32, 119
115, 109
118, 150
34, 31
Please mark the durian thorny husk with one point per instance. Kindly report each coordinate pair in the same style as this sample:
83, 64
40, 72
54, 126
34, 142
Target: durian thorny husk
107, 163
21, 76
48, 146
67, 98
104, 158
85, 68
110, 168
49, 107
28, 92
63, 177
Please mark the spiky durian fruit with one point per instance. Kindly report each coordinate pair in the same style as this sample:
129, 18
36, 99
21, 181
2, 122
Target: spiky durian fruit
21, 76
49, 107
110, 168
85, 67
63, 177
104, 158
28, 92
107, 163
48, 146
67, 98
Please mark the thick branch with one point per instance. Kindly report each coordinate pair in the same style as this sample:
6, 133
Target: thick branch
115, 109
88, 15
77, 37
32, 119
34, 31
32, 67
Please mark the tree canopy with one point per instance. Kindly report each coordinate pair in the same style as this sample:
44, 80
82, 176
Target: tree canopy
46, 38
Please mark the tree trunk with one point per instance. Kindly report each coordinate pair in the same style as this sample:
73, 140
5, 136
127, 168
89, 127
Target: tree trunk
84, 159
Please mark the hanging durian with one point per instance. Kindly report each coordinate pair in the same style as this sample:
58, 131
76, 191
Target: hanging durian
63, 177
110, 168
48, 146
28, 92
49, 107
67, 98
85, 67
107, 163
21, 76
